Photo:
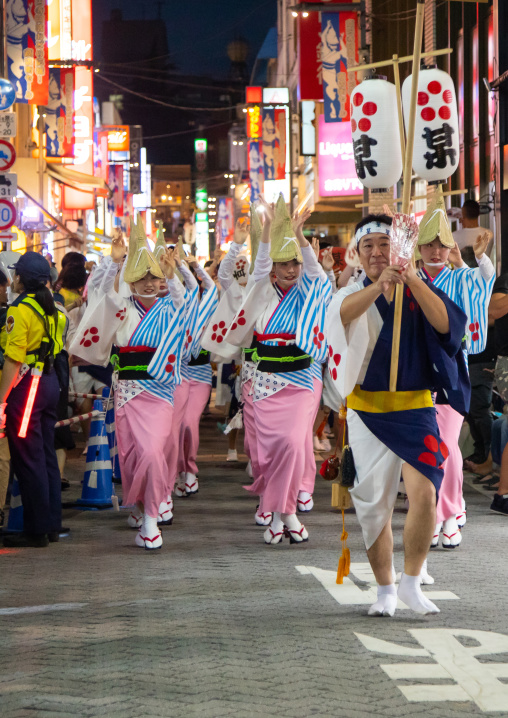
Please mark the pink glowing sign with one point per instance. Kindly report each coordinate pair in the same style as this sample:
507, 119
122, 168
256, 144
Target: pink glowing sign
337, 173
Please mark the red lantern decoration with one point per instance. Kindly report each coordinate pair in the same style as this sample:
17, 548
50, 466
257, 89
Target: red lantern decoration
375, 130
436, 143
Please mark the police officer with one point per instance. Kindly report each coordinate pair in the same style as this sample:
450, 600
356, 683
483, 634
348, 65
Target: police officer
33, 336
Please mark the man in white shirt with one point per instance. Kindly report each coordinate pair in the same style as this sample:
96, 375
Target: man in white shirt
471, 227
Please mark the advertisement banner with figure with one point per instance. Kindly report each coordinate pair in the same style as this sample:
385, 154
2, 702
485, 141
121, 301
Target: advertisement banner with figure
115, 183
60, 113
256, 169
280, 147
225, 219
27, 49
339, 49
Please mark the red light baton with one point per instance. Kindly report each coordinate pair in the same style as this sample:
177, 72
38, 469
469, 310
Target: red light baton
36, 377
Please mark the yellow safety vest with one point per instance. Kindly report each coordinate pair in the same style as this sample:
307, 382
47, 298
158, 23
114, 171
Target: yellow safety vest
55, 327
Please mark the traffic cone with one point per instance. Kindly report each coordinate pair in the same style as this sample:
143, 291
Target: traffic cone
97, 484
15, 522
110, 430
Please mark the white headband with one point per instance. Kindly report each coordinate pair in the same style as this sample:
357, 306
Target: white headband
372, 228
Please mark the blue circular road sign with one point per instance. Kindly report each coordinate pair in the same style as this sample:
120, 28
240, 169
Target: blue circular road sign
7, 94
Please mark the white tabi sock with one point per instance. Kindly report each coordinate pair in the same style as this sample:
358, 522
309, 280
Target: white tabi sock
386, 601
291, 521
411, 594
277, 524
150, 527
425, 577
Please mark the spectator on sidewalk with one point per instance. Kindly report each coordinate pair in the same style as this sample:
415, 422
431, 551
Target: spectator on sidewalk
498, 310
471, 227
4, 445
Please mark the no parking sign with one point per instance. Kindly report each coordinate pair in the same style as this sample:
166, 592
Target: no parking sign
7, 214
7, 155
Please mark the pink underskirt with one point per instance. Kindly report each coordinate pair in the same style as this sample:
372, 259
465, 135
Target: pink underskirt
199, 393
143, 431
449, 503
282, 422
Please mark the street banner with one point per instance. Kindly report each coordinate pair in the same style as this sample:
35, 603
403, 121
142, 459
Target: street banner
115, 183
270, 143
280, 146
100, 154
256, 169
225, 219
339, 48
27, 49
309, 46
60, 113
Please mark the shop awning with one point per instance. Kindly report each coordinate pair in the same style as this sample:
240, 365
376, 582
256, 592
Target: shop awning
78, 180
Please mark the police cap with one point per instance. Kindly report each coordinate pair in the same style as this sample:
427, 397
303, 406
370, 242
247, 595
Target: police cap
32, 268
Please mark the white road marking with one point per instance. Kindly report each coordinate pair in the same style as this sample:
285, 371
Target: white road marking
42, 609
349, 594
472, 679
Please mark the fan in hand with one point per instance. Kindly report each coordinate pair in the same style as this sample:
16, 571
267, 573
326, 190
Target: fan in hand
403, 239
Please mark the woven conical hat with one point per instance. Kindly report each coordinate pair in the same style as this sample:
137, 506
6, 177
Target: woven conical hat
140, 259
284, 244
256, 229
160, 244
435, 223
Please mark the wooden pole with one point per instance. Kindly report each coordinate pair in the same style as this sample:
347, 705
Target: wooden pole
406, 58
413, 199
396, 75
406, 194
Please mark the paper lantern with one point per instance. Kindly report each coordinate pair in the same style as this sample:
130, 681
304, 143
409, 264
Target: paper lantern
436, 144
375, 130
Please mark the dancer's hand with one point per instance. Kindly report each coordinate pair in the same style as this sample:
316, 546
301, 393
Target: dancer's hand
241, 232
388, 277
118, 247
168, 262
269, 209
327, 260
299, 219
455, 256
481, 244
409, 274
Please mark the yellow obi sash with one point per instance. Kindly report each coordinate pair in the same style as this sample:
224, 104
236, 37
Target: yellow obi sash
382, 402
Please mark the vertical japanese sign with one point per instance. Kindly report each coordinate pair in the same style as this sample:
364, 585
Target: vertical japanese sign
256, 169
339, 48
115, 183
83, 107
59, 30
27, 49
60, 113
135, 142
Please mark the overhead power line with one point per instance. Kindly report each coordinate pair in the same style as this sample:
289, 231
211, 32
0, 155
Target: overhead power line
160, 102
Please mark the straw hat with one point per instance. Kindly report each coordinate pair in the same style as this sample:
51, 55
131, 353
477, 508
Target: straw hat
256, 229
284, 244
140, 259
160, 244
435, 224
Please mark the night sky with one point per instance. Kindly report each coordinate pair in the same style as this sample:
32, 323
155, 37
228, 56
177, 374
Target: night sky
198, 30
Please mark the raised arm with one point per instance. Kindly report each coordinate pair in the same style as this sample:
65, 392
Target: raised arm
228, 263
356, 304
